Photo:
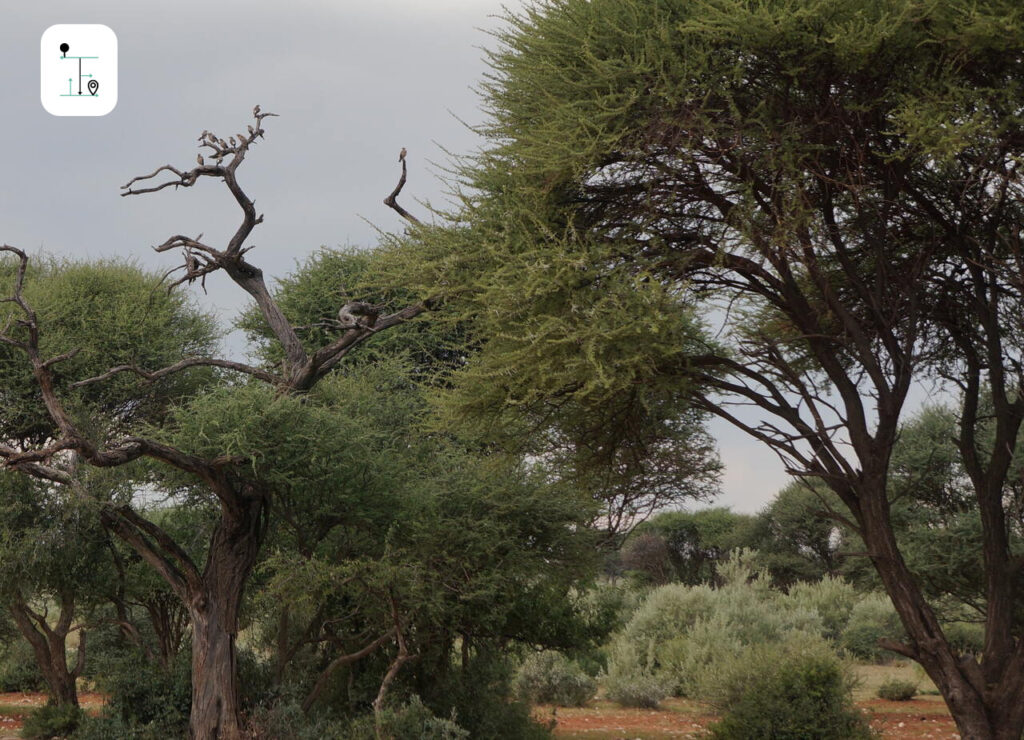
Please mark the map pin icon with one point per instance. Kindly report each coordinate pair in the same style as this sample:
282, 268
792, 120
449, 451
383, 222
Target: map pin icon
93, 86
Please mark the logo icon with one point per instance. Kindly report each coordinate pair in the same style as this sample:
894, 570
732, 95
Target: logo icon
78, 70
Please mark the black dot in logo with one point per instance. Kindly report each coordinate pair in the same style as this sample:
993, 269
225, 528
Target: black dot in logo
64, 49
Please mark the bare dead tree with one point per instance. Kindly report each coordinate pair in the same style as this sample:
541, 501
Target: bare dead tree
212, 594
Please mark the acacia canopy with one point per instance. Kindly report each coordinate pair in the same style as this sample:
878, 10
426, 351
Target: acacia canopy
796, 207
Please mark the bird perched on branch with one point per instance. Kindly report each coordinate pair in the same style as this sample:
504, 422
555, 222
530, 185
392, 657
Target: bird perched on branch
401, 155
199, 159
358, 315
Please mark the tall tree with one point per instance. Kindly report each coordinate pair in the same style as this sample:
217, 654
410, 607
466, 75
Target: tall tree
53, 571
833, 186
230, 472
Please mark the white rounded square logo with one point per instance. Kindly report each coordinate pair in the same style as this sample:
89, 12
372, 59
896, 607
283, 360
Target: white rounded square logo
78, 69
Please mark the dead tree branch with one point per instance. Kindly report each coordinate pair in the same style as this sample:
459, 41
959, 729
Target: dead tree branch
392, 200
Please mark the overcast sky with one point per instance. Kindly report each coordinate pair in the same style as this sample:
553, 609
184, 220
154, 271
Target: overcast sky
353, 82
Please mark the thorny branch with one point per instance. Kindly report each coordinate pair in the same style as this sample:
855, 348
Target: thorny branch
219, 158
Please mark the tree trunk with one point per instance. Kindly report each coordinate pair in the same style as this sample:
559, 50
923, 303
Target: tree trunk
234, 548
215, 701
982, 710
49, 645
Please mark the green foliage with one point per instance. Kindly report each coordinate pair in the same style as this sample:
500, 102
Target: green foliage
51, 721
693, 542
311, 296
797, 538
795, 690
477, 696
410, 721
110, 313
18, 668
628, 682
833, 599
895, 689
548, 677
144, 697
680, 636
965, 637
872, 618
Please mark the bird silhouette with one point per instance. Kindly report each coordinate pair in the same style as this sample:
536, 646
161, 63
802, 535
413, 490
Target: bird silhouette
199, 159
401, 155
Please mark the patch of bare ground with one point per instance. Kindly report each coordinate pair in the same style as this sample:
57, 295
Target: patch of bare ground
15, 706
924, 717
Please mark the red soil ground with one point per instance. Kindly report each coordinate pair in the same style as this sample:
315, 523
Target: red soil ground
911, 720
11, 719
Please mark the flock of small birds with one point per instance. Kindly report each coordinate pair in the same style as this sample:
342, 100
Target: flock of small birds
221, 148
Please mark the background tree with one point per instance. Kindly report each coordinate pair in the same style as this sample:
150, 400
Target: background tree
798, 537
212, 593
57, 554
834, 189
387, 541
53, 572
691, 543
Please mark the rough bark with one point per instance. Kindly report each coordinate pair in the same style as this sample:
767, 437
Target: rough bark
214, 609
49, 645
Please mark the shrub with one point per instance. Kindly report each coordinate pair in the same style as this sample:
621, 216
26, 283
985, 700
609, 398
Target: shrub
627, 683
965, 637
143, 694
478, 695
832, 599
679, 630
895, 689
788, 691
412, 720
635, 690
18, 668
550, 678
872, 618
52, 721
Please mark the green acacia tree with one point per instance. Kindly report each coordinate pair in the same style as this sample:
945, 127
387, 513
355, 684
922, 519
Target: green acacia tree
832, 187
386, 541
239, 487
53, 573
56, 554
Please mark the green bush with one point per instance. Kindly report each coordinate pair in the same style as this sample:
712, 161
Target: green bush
895, 689
635, 690
410, 721
679, 630
965, 637
872, 618
788, 691
143, 694
551, 678
832, 599
52, 721
478, 695
18, 668
627, 682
